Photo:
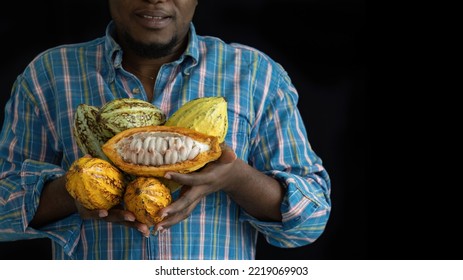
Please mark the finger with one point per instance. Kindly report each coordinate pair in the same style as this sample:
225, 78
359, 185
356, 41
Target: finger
90, 214
176, 217
182, 202
228, 155
116, 215
127, 218
190, 196
199, 178
184, 189
142, 228
93, 214
190, 179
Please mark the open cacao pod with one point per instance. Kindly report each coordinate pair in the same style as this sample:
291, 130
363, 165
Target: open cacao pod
152, 151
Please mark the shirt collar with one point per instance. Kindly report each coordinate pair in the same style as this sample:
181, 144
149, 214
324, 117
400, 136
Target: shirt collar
113, 50
188, 59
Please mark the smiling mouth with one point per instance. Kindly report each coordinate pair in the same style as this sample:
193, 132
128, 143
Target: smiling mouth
154, 17
154, 20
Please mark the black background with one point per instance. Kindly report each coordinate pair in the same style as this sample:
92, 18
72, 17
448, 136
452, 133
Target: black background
320, 44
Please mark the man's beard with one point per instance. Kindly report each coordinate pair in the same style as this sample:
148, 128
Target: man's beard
154, 50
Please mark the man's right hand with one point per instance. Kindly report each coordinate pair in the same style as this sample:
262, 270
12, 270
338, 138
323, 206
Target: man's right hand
114, 215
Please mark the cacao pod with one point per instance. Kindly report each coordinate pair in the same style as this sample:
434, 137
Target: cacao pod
95, 183
144, 197
207, 115
87, 132
152, 151
124, 113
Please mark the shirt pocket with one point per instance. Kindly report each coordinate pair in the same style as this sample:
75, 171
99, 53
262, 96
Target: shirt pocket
238, 136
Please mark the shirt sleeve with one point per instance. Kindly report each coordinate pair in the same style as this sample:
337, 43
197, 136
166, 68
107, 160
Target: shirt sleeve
281, 149
28, 159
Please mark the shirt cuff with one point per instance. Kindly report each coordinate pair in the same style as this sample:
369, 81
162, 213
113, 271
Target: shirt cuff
297, 209
34, 175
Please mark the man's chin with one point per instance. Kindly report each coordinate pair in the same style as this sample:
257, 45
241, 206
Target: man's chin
151, 49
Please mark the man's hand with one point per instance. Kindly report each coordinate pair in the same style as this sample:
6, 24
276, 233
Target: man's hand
215, 176
114, 215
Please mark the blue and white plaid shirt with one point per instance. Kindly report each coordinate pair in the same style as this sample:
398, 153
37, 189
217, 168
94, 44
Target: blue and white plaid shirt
265, 130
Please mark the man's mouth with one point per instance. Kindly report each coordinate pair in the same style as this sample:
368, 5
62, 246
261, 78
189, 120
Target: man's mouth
154, 19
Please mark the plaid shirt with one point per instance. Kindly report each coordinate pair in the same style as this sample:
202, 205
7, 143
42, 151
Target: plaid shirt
265, 130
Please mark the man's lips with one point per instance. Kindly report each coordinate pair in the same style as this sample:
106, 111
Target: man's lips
153, 19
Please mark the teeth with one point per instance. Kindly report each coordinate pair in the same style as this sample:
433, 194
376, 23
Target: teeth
151, 17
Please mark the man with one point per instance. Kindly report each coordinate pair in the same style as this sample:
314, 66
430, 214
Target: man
267, 180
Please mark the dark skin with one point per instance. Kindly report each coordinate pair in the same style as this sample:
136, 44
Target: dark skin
166, 23
133, 24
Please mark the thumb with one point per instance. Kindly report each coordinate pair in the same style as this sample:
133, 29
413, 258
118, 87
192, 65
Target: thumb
228, 155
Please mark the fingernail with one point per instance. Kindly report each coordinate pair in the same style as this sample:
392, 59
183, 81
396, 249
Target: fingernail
161, 229
129, 218
167, 176
143, 233
102, 213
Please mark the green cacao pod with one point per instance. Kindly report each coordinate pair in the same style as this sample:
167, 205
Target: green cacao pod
124, 113
207, 115
95, 183
87, 132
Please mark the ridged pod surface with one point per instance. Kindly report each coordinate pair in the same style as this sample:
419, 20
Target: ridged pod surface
144, 197
124, 113
207, 115
95, 183
152, 151
87, 132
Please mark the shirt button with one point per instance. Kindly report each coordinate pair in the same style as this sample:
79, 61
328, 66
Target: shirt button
136, 90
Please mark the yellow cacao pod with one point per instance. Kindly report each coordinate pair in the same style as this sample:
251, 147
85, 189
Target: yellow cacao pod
95, 183
144, 197
207, 115
152, 151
